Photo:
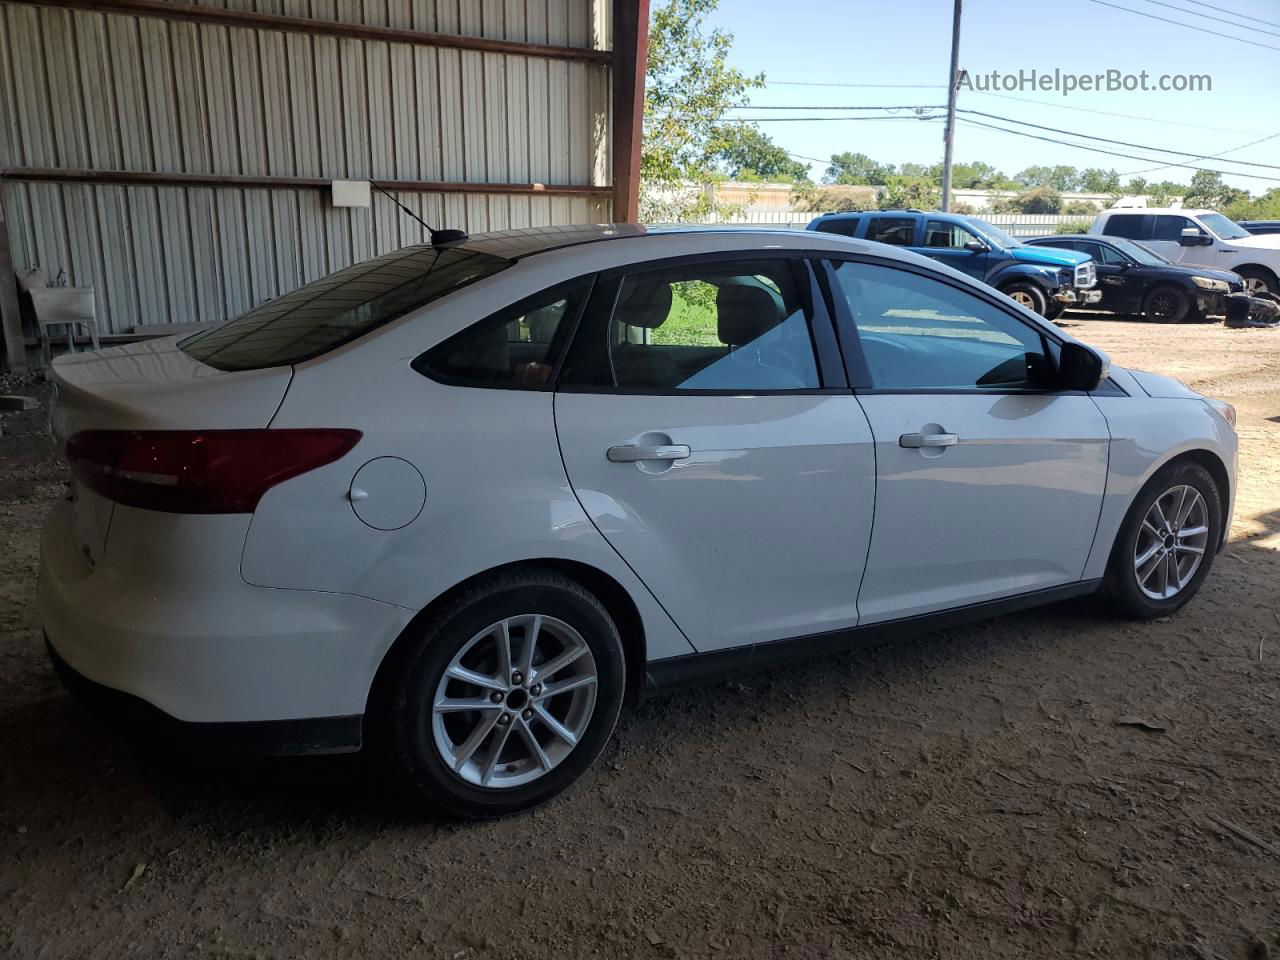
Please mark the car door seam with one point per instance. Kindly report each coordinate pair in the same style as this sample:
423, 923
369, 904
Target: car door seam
1106, 485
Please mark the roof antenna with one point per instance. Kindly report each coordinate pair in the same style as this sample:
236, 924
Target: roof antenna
439, 238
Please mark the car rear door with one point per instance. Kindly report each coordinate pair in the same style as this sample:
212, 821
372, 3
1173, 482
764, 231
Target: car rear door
945, 242
1120, 286
987, 484
708, 431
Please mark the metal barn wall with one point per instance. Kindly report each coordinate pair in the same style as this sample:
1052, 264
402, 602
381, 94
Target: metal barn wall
91, 91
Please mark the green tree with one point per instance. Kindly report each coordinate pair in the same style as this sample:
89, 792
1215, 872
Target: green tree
689, 87
1136, 186
1097, 180
1208, 190
1077, 208
747, 153
1036, 200
808, 196
1060, 178
905, 193
857, 168
1161, 194
1265, 207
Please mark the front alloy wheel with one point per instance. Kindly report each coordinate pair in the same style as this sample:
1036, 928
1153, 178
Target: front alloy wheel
1171, 542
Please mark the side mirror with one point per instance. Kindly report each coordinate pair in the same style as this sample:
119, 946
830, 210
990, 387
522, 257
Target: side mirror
976, 246
1081, 367
1191, 237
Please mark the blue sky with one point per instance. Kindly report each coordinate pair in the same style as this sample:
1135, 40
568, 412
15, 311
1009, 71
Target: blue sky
908, 42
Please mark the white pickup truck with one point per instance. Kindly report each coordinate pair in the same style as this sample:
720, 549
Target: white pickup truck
1199, 238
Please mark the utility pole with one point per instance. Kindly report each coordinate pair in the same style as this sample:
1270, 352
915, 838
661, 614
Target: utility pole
948, 138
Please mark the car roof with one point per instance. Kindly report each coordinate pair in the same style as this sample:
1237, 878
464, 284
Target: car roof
529, 241
1139, 211
1091, 237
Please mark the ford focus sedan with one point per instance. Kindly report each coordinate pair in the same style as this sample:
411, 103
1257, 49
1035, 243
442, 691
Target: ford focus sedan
459, 503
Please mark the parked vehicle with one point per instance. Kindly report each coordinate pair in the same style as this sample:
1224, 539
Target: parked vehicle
1199, 238
458, 503
1046, 281
1260, 227
1135, 279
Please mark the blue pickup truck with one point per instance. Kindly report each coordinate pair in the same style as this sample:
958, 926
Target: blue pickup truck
1045, 279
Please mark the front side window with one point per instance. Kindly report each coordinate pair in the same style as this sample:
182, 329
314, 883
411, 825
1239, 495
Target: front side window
721, 326
951, 236
1135, 226
517, 347
1224, 227
1170, 227
899, 231
323, 315
917, 333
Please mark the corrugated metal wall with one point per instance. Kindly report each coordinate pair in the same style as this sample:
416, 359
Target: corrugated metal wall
110, 92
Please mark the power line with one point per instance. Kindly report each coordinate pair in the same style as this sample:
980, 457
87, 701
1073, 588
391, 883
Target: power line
936, 116
899, 106
1210, 156
1242, 16
820, 83
1209, 16
1113, 153
1106, 113
1126, 143
1189, 26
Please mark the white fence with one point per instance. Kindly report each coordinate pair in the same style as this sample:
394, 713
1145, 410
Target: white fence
1016, 224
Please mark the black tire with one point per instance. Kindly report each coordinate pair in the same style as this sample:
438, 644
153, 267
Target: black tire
1166, 305
1120, 585
1029, 295
1253, 276
406, 743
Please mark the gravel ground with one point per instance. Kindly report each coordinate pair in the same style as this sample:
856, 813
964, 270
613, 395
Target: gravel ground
968, 794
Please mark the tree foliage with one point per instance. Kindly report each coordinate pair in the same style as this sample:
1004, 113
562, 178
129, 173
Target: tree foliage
748, 153
689, 87
1207, 190
855, 169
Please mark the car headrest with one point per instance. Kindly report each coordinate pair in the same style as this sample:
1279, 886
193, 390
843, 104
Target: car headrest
645, 303
745, 313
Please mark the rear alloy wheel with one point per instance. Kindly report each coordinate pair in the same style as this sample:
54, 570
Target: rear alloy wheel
1029, 296
505, 697
1166, 305
1167, 544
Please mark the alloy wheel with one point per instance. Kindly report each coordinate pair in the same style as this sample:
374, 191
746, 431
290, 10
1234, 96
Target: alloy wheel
514, 701
1024, 298
1171, 542
1164, 305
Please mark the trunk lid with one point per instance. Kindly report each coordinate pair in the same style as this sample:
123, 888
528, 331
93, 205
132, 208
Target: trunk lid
150, 386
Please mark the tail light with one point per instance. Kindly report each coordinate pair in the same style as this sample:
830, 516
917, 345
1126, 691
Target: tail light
199, 471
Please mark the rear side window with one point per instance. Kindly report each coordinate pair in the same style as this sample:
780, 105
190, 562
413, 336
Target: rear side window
896, 230
1169, 227
518, 347
1135, 226
323, 315
844, 226
720, 326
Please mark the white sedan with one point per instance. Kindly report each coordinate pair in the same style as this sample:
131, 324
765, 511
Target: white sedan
460, 502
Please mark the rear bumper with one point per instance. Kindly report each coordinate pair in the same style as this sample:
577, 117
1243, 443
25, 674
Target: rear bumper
164, 617
143, 721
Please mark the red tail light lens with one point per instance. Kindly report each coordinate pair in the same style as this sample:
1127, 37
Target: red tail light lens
199, 471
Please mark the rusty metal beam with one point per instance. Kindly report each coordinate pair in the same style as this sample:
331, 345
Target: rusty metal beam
145, 179
270, 21
630, 59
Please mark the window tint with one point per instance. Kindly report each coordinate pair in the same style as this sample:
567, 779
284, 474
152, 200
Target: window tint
721, 326
918, 333
323, 315
845, 226
949, 235
896, 230
517, 348
1169, 227
1135, 226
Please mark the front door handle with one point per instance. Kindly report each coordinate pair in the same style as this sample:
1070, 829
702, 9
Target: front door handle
631, 452
916, 440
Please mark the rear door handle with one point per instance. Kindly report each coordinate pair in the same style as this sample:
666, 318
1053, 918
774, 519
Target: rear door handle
631, 452
915, 440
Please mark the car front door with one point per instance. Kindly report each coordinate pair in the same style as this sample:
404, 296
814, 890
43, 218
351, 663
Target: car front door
1166, 240
1121, 286
957, 247
708, 431
988, 483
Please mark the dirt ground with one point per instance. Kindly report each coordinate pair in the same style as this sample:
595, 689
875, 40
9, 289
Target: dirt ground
968, 794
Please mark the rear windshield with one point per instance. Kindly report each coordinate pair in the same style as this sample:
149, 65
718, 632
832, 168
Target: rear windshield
323, 315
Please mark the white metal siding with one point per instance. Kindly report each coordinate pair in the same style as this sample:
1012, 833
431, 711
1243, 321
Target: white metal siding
110, 92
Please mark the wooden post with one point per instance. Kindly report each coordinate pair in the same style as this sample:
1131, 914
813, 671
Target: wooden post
15, 347
630, 60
